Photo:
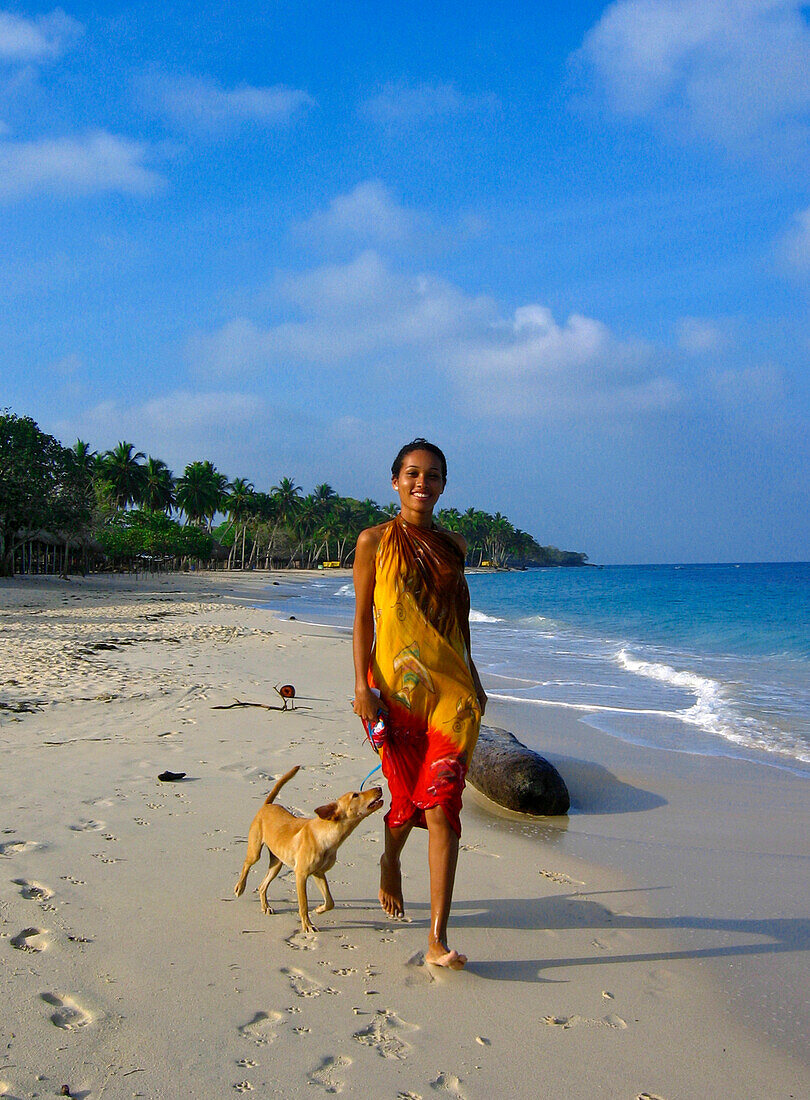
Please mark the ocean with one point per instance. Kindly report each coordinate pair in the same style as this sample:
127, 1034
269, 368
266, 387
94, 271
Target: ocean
701, 659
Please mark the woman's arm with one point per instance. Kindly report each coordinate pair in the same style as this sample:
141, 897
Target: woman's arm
366, 704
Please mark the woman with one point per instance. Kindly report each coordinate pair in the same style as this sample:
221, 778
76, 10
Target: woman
412, 643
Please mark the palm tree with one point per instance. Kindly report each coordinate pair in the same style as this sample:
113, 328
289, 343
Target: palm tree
240, 506
329, 531
86, 459
473, 528
323, 495
450, 519
286, 501
202, 491
305, 523
158, 488
86, 465
287, 495
123, 474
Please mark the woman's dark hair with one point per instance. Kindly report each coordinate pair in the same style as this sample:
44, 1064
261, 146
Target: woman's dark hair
418, 444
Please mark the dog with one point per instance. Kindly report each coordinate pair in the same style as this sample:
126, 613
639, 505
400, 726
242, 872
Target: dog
308, 845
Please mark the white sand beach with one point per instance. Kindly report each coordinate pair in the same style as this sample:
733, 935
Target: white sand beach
609, 957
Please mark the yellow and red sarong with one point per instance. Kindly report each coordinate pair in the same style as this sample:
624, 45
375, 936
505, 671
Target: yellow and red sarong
420, 666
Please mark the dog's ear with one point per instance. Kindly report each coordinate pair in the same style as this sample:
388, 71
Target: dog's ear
328, 812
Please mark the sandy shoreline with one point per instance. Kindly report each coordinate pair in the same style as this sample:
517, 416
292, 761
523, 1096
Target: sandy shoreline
129, 968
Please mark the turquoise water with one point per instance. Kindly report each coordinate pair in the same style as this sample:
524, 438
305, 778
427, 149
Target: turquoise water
705, 659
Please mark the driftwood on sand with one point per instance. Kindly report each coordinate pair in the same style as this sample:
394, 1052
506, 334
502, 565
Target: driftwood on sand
514, 776
240, 703
263, 706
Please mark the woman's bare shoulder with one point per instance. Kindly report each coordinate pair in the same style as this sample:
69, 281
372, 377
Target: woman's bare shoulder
369, 540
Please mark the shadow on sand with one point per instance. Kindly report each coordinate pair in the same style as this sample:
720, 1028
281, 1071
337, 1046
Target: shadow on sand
714, 937
595, 790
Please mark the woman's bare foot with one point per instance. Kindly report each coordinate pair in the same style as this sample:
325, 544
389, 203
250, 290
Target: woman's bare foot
391, 887
438, 954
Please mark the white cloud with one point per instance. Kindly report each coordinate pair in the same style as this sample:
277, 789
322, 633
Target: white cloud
352, 311
795, 245
734, 71
404, 105
531, 365
369, 214
699, 336
98, 161
362, 313
201, 103
43, 38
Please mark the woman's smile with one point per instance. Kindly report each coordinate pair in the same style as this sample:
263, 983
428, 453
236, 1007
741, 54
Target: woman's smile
420, 483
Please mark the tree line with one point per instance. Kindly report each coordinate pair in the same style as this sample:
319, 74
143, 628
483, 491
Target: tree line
122, 507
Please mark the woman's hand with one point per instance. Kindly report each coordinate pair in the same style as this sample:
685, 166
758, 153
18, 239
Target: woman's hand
366, 704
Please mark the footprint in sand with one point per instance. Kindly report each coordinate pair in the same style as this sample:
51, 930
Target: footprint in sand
479, 850
381, 1035
448, 1082
304, 986
566, 1022
30, 939
408, 1096
326, 1075
558, 876
243, 1086
33, 891
649, 1096
68, 1014
246, 1063
301, 941
17, 847
262, 1028
87, 826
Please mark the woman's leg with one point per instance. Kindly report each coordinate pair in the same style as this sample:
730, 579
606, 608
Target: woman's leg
390, 874
442, 858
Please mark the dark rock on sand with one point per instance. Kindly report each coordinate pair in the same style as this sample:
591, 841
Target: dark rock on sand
514, 776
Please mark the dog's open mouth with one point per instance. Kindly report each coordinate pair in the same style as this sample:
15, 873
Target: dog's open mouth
375, 805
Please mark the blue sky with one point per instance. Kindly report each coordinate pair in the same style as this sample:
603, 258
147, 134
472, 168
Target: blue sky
570, 243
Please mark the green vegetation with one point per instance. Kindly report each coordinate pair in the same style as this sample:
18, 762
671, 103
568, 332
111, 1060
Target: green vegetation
115, 510
43, 486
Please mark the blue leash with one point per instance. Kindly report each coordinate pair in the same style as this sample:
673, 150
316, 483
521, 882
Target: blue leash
373, 770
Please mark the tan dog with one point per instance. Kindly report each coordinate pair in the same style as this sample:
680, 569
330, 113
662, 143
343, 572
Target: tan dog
307, 844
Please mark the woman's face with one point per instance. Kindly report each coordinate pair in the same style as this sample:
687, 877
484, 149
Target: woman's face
419, 482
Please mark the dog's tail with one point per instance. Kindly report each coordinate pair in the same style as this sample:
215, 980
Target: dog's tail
280, 783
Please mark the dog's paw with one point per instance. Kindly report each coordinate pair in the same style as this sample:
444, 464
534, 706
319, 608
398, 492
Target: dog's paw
268, 912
